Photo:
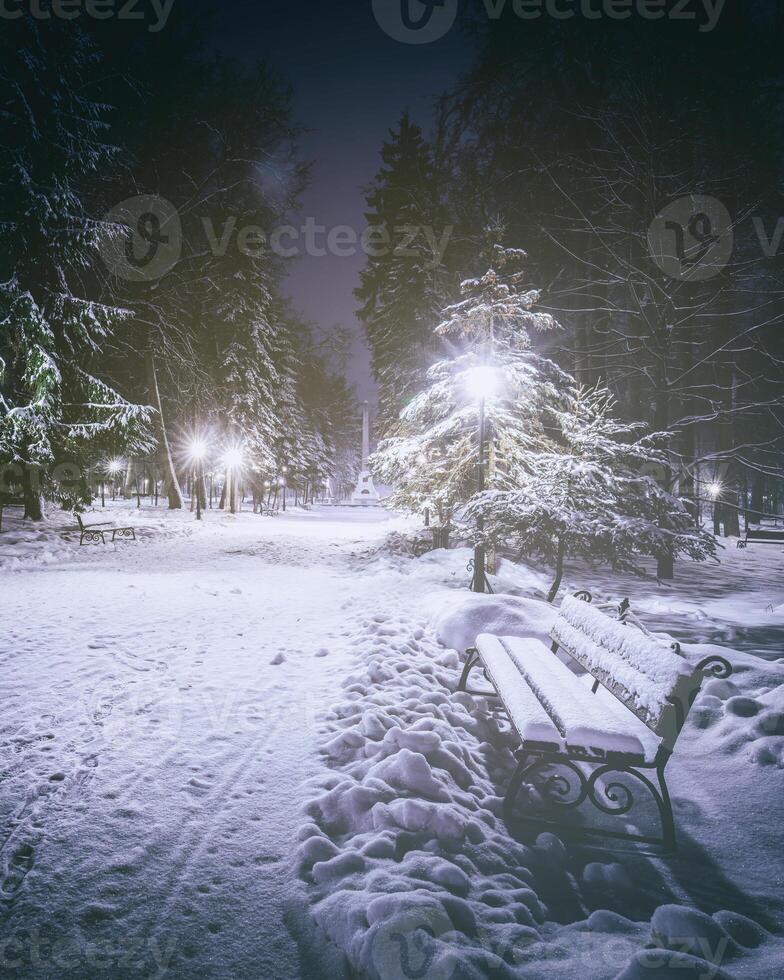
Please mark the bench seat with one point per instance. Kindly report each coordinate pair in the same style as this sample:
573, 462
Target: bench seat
588, 725
526, 713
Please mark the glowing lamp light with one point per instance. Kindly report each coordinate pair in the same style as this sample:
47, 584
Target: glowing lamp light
113, 467
233, 458
197, 450
481, 382
714, 490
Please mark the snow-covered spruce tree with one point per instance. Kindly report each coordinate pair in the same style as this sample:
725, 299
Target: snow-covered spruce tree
54, 406
594, 496
562, 476
432, 456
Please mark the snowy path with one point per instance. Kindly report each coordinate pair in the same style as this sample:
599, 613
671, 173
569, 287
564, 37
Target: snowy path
163, 703
153, 751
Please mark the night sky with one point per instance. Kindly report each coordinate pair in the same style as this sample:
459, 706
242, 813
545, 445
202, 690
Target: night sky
351, 82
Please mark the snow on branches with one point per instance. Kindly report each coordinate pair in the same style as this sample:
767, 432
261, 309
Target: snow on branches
562, 475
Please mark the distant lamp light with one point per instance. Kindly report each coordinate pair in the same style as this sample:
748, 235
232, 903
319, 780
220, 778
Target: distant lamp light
233, 458
197, 450
481, 382
113, 467
715, 490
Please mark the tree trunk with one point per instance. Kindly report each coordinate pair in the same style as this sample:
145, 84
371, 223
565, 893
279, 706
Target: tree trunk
731, 522
172, 483
757, 497
31, 492
665, 563
127, 491
559, 570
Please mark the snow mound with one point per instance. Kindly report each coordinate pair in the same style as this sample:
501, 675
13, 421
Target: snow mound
464, 616
31, 545
744, 713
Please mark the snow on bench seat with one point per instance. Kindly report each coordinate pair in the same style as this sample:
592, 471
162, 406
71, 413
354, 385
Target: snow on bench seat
597, 725
643, 673
525, 711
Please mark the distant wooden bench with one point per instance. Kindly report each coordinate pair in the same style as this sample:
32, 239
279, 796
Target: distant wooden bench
269, 511
95, 533
573, 735
762, 535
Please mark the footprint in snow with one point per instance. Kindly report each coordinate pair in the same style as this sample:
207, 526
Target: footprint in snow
322, 652
279, 658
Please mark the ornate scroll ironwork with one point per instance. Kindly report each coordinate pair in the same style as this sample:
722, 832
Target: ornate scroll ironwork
123, 532
715, 665
90, 537
570, 785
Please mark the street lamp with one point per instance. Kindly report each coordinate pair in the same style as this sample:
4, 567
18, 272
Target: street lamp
714, 490
113, 467
198, 450
481, 383
282, 481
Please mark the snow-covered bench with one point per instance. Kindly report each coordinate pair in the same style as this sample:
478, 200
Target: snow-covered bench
621, 715
93, 533
762, 535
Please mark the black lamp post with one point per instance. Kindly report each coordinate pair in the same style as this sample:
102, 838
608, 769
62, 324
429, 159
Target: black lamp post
480, 575
482, 382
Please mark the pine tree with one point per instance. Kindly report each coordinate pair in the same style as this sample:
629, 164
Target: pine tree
401, 285
564, 478
594, 496
433, 458
54, 405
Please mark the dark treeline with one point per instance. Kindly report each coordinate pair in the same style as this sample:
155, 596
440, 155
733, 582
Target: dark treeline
568, 138
125, 331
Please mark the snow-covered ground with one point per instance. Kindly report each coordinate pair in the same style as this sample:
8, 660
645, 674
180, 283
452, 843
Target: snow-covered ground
233, 750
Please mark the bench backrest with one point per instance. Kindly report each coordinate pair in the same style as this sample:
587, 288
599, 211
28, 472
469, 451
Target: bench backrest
653, 681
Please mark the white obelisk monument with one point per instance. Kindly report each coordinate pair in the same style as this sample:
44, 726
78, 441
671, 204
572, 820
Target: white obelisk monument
365, 492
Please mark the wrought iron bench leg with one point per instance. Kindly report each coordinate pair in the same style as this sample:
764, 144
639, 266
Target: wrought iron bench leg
611, 798
472, 659
669, 839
